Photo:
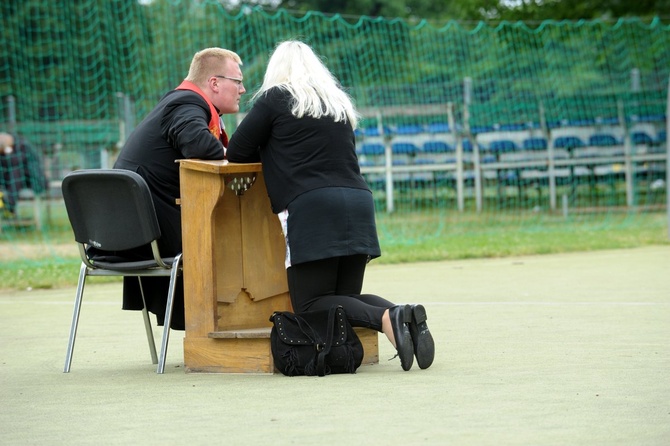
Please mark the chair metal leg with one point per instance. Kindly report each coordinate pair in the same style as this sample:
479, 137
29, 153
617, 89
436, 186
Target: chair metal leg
147, 326
168, 313
75, 317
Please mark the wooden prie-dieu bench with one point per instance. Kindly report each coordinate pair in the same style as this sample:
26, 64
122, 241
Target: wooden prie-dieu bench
234, 276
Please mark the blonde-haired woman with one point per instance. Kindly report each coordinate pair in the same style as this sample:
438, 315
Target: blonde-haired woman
301, 127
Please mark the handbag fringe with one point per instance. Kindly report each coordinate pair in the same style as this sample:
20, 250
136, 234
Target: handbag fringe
291, 359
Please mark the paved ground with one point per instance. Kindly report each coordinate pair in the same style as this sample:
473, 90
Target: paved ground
547, 350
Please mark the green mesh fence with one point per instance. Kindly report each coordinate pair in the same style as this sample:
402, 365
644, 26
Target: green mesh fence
466, 128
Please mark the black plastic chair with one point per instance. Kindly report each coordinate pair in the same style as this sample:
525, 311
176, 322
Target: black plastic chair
111, 211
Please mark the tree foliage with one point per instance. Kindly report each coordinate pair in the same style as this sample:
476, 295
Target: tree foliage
487, 10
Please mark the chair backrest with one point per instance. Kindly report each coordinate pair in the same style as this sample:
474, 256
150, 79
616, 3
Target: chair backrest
110, 209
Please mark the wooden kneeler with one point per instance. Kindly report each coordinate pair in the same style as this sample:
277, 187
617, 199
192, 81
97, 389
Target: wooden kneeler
258, 357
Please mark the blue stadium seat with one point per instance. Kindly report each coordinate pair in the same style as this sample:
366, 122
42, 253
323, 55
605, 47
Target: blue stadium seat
372, 154
409, 130
477, 129
435, 152
603, 140
641, 138
406, 148
648, 118
512, 127
607, 121
374, 131
372, 149
425, 161
366, 163
568, 142
437, 147
661, 138
502, 146
535, 143
438, 127
371, 131
584, 122
467, 145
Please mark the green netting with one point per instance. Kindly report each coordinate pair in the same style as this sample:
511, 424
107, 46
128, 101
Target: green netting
486, 112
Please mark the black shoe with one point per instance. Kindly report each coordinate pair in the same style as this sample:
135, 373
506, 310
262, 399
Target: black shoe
401, 316
424, 346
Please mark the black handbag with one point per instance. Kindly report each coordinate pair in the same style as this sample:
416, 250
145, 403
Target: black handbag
314, 343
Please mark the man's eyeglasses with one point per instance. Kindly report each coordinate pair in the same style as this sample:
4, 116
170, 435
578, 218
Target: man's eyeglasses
238, 81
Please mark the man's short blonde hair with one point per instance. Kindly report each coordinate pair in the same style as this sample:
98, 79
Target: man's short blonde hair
206, 62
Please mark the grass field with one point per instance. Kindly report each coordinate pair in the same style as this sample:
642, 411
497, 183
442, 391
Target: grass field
51, 260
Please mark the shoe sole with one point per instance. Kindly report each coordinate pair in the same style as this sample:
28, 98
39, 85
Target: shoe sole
424, 345
419, 314
404, 331
408, 314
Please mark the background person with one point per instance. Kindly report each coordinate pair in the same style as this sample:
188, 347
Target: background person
184, 124
301, 127
20, 168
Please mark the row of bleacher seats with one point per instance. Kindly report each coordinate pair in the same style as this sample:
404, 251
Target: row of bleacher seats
513, 153
505, 144
443, 127
519, 151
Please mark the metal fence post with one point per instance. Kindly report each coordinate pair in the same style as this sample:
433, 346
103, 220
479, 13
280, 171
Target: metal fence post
459, 157
388, 164
667, 158
628, 160
11, 114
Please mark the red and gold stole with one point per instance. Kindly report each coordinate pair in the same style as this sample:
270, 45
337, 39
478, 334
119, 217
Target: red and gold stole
215, 121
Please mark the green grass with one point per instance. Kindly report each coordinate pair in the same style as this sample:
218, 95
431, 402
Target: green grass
462, 236
42, 274
410, 237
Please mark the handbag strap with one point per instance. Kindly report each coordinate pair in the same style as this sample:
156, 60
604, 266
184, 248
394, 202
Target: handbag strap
321, 357
306, 329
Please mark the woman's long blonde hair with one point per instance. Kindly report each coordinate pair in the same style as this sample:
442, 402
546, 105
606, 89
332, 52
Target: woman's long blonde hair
295, 68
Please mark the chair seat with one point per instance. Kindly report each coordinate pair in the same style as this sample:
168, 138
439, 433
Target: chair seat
116, 263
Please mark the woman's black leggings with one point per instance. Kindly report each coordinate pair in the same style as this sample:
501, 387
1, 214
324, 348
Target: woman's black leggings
321, 284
